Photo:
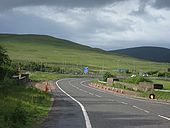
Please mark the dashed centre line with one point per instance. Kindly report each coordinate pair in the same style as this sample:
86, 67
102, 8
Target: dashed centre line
123, 102
84, 90
164, 117
97, 95
140, 109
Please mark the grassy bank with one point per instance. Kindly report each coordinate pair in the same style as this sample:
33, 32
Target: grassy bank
159, 95
21, 106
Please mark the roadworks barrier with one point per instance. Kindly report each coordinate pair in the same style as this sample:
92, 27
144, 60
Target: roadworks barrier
106, 88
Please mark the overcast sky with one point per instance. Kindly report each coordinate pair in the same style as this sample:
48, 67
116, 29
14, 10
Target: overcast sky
106, 24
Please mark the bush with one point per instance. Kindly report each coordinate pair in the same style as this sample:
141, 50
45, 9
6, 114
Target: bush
167, 74
107, 75
152, 72
163, 74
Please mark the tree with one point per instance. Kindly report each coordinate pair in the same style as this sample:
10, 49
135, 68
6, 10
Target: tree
4, 58
4, 63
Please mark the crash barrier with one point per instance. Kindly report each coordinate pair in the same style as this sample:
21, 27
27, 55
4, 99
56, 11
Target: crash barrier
121, 91
110, 89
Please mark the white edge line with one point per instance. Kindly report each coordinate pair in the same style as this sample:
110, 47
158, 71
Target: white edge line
87, 120
164, 117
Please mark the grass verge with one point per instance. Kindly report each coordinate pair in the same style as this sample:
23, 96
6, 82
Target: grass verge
22, 107
159, 95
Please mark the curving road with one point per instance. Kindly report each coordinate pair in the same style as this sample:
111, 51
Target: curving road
77, 105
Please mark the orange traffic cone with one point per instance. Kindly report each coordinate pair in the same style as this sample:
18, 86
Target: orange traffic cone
46, 86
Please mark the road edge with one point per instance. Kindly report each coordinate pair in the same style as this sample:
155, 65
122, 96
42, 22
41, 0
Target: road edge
86, 117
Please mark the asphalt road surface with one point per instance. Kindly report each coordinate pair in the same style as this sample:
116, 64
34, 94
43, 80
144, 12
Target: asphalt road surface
79, 106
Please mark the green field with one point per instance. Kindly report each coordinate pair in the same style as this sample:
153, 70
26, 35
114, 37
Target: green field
52, 50
42, 76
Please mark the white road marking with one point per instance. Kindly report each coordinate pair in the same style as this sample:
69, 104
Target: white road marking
123, 102
111, 100
146, 111
87, 120
164, 117
83, 90
97, 95
140, 109
91, 93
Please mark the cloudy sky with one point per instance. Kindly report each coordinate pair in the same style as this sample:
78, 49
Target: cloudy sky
106, 24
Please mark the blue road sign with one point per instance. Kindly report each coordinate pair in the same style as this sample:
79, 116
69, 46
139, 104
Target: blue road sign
86, 70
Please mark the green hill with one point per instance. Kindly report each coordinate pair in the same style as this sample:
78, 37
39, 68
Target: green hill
42, 48
156, 54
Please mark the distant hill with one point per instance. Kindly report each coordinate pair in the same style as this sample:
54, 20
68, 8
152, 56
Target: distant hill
156, 54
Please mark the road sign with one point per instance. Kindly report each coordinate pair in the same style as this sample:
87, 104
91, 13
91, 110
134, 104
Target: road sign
86, 70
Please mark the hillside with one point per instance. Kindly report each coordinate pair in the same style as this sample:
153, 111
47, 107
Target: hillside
42, 48
44, 40
156, 54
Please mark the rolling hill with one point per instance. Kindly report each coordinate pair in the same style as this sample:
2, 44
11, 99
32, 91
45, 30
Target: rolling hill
156, 54
43, 48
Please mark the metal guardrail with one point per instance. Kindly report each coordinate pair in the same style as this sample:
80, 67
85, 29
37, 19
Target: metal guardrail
102, 82
160, 90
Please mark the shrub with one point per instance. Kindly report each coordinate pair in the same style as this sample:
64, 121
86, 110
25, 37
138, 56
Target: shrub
107, 75
167, 74
161, 74
152, 72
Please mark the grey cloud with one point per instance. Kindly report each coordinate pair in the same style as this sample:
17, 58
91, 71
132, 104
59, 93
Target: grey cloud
162, 4
18, 23
141, 8
107, 30
8, 4
143, 14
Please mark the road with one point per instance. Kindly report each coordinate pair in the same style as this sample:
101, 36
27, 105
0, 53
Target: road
79, 106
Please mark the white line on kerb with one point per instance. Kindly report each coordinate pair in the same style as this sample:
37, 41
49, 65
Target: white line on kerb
164, 117
87, 120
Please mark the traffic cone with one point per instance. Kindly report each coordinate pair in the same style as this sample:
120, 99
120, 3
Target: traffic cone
46, 86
